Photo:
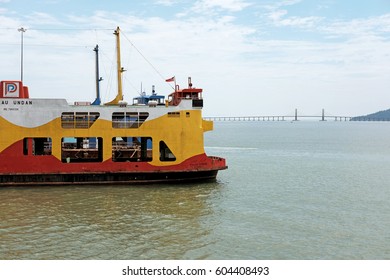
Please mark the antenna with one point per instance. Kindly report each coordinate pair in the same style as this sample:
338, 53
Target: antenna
98, 78
21, 30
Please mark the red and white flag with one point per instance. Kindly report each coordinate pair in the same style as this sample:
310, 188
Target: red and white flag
170, 79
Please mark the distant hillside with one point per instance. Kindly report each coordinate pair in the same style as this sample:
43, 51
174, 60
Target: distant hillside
378, 116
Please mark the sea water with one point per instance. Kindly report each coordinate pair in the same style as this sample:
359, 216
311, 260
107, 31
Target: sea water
293, 190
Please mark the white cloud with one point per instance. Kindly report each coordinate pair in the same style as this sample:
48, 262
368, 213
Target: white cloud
166, 2
279, 4
39, 18
374, 26
301, 22
279, 17
276, 15
228, 5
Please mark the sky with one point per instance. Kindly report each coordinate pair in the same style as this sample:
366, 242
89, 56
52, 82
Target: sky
251, 58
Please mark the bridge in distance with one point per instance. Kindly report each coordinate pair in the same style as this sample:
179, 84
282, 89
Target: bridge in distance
295, 117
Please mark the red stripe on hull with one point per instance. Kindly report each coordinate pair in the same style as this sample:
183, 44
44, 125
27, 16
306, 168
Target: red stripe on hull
13, 162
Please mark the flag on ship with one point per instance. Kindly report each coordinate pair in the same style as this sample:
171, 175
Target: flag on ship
170, 79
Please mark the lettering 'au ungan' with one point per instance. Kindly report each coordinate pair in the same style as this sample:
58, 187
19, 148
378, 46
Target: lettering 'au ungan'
18, 102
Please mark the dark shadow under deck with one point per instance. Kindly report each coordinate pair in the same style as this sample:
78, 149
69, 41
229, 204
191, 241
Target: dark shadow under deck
123, 178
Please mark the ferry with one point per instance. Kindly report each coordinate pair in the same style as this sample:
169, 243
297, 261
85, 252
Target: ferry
152, 140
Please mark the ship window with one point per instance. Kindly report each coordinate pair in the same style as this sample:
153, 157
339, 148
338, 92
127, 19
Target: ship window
128, 119
166, 153
188, 114
131, 149
173, 114
40, 146
78, 119
25, 146
81, 149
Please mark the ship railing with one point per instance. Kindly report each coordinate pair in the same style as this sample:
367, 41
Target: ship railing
125, 146
78, 119
76, 124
